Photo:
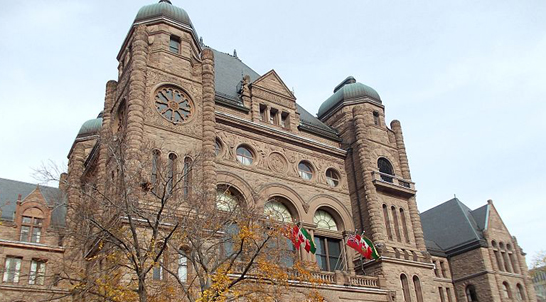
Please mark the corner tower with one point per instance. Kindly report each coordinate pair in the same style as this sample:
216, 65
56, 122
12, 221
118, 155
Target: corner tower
381, 190
164, 95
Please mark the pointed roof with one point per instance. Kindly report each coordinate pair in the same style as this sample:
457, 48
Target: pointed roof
9, 194
229, 71
273, 76
453, 227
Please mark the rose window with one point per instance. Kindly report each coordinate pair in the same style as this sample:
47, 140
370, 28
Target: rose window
173, 105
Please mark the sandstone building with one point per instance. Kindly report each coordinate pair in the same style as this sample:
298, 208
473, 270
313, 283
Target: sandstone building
344, 169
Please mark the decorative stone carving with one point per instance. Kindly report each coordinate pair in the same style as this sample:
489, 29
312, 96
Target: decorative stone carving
277, 162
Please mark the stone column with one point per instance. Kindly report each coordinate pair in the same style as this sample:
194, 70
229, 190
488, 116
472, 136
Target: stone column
75, 171
105, 134
528, 282
412, 203
364, 158
209, 123
137, 97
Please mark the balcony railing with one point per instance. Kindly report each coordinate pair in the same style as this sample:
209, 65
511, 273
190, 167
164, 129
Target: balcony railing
325, 278
393, 183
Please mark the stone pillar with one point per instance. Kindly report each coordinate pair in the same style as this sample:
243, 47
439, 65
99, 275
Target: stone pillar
529, 287
136, 99
105, 134
364, 158
209, 123
412, 203
75, 171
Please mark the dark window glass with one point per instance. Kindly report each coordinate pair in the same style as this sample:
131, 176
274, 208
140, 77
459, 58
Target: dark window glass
385, 167
244, 156
332, 177
305, 171
328, 255
174, 45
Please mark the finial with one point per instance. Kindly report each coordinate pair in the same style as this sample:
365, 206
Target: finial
201, 40
235, 53
168, 1
490, 201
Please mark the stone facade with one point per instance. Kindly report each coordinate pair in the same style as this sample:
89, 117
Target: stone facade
347, 162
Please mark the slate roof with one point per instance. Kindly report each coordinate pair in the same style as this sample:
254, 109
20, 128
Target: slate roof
453, 227
229, 71
10, 190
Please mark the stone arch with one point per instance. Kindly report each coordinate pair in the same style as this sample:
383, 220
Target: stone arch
334, 207
237, 182
276, 189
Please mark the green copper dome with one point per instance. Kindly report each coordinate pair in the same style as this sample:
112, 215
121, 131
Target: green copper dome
163, 9
348, 90
90, 127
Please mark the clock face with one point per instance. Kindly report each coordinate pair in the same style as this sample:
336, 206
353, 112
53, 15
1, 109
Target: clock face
173, 105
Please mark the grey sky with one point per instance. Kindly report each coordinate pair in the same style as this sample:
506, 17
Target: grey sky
467, 79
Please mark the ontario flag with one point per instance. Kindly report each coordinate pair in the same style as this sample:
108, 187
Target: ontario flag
299, 236
363, 245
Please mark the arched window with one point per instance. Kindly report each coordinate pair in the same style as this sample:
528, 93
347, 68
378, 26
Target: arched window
500, 264
31, 225
385, 168
329, 250
217, 147
512, 258
396, 224
187, 176
227, 198
404, 225
471, 295
325, 221
376, 118
332, 177
405, 288
278, 211
157, 271
305, 170
182, 271
245, 156
155, 166
387, 221
418, 291
442, 295
520, 295
507, 264
120, 122
506, 292
171, 177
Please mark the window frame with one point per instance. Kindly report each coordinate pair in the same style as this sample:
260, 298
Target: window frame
36, 223
325, 242
245, 159
13, 272
308, 174
177, 46
37, 275
334, 179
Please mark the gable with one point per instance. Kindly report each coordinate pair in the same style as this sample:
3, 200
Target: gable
494, 221
271, 82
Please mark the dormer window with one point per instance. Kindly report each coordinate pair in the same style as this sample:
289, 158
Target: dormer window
31, 226
174, 44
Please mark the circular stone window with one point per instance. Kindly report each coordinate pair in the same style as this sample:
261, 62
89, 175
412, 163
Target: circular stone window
173, 105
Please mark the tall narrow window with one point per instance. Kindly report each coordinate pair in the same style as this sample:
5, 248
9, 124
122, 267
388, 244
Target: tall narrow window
505, 258
500, 264
387, 221
155, 165
436, 269
263, 112
520, 293
12, 268
182, 266
448, 294
405, 288
404, 225
284, 119
506, 290
396, 224
273, 116
376, 118
174, 44
171, 177
444, 270
187, 176
418, 291
332, 177
37, 272
442, 295
471, 295
385, 168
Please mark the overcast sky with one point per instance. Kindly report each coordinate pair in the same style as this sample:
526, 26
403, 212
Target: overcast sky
467, 80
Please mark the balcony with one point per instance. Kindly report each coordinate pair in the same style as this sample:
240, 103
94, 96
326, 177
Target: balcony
393, 184
325, 278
